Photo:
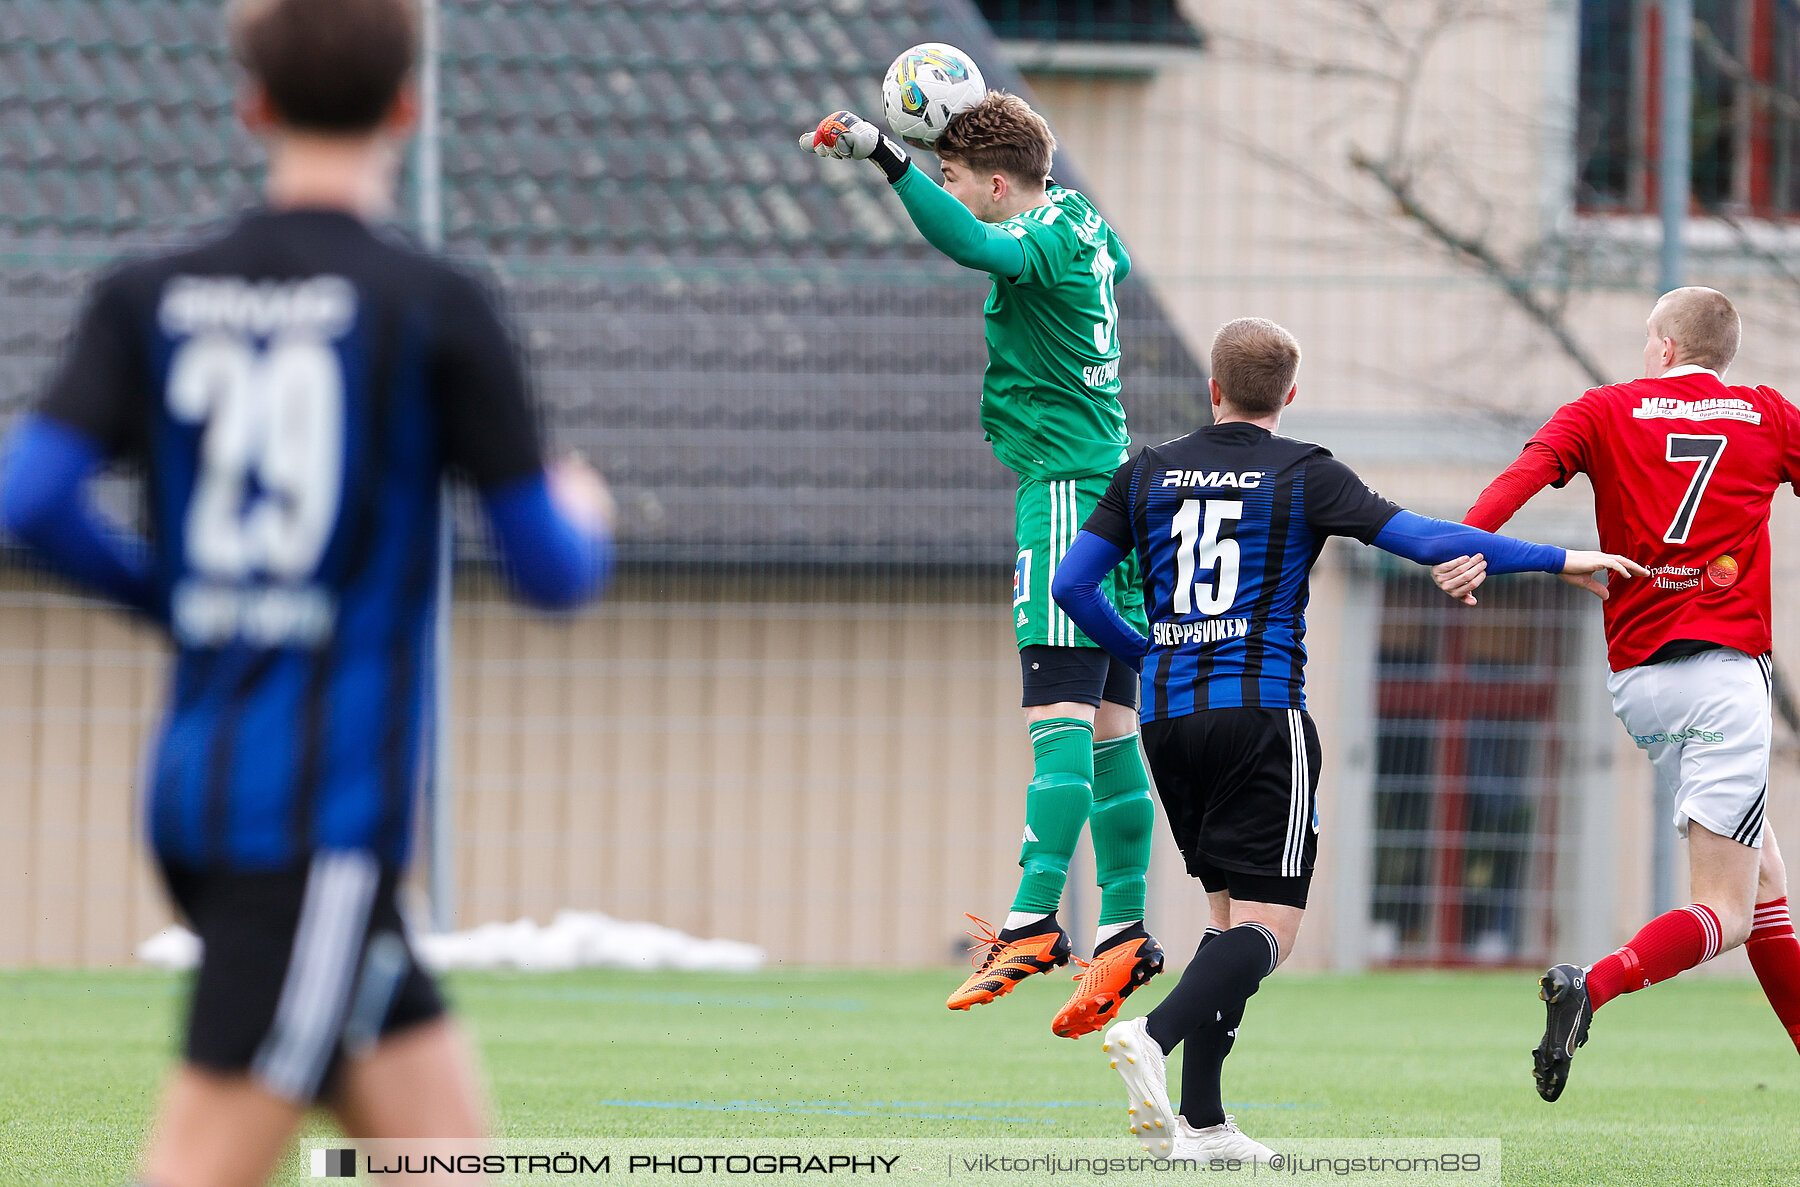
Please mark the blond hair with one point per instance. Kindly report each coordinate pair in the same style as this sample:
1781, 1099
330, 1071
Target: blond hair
1703, 324
1254, 362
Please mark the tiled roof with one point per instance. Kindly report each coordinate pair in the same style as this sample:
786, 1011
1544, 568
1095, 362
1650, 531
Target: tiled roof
814, 420
754, 344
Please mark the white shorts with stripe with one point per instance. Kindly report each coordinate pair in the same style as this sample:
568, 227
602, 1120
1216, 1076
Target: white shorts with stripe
1705, 722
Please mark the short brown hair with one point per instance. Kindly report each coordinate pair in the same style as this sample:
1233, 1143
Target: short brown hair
1255, 361
1703, 324
1000, 134
327, 65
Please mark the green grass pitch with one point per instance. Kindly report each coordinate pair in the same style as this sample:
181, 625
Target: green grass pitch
1692, 1082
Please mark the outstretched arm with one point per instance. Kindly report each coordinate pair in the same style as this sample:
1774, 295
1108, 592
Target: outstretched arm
1076, 588
946, 223
1535, 468
1339, 503
1430, 541
44, 503
1433, 541
1559, 451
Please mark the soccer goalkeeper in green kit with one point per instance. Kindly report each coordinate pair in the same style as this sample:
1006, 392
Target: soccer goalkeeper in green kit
1050, 406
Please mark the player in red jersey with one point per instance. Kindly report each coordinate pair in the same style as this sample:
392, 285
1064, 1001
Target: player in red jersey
1683, 467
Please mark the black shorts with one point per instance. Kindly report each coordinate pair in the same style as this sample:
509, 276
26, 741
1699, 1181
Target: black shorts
1086, 675
1240, 789
299, 968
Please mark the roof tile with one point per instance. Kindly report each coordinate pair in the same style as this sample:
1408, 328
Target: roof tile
756, 345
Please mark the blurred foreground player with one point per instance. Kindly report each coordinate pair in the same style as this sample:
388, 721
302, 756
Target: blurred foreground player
1050, 405
1227, 523
1684, 468
294, 391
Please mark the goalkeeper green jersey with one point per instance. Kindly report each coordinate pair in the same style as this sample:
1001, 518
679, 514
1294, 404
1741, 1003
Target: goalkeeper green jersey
1050, 397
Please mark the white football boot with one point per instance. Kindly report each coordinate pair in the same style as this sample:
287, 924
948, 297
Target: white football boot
1224, 1140
1140, 1063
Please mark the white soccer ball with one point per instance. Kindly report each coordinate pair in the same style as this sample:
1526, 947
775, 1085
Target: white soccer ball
927, 85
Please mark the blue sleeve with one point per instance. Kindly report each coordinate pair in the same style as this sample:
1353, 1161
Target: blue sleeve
1076, 588
44, 504
1434, 541
553, 563
948, 226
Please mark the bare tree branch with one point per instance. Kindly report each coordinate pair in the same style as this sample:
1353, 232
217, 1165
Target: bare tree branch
1776, 100
1391, 55
1414, 55
1261, 53
1750, 247
1479, 253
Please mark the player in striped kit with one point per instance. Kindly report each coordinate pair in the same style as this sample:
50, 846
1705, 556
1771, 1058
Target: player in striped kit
1227, 523
1050, 406
295, 389
1684, 467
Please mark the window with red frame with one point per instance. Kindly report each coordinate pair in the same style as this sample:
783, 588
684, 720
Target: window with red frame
1746, 130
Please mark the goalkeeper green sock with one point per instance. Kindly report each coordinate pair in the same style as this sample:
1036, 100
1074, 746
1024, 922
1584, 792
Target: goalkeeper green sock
1121, 820
1056, 806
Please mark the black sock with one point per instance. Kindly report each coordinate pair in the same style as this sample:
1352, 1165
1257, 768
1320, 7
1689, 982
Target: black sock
1202, 1062
1202, 1055
1225, 971
1131, 935
1047, 923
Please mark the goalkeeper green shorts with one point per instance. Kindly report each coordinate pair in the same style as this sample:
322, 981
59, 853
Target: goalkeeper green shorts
1046, 517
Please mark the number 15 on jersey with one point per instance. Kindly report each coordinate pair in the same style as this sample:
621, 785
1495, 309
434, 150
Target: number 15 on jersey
1200, 549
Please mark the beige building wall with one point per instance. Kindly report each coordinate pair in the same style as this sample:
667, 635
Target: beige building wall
79, 688
831, 768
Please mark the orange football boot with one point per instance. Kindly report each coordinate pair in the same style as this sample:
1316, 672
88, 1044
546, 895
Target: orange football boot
1107, 980
1007, 963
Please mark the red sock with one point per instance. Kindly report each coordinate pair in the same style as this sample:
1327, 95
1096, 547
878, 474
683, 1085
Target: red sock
1668, 944
1775, 955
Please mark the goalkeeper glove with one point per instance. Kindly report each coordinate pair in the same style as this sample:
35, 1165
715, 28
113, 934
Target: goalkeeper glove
847, 136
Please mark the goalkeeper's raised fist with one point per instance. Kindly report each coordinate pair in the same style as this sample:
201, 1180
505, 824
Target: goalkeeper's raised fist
844, 135
847, 136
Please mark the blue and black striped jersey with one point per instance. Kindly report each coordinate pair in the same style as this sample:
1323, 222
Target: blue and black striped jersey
294, 391
1227, 523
